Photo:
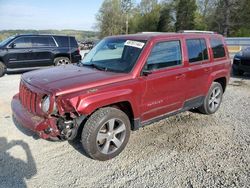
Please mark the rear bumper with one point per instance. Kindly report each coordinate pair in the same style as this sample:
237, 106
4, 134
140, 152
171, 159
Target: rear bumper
44, 127
76, 58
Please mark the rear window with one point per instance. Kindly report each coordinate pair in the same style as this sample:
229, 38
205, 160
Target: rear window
64, 41
42, 42
218, 48
197, 50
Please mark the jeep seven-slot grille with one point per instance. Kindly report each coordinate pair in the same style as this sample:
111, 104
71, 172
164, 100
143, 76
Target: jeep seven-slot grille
28, 98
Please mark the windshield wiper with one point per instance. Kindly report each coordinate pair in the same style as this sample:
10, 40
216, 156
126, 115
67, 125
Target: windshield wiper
96, 66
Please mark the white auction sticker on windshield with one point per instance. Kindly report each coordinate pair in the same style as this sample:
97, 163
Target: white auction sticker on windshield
135, 44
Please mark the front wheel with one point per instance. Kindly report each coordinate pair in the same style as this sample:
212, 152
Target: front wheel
2, 69
213, 99
106, 133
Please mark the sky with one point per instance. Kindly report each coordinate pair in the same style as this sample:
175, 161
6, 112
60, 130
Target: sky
49, 14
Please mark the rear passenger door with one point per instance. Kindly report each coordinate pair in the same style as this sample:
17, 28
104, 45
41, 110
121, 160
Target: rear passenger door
165, 87
199, 68
43, 47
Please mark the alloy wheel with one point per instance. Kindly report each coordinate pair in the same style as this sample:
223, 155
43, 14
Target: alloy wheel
214, 99
111, 136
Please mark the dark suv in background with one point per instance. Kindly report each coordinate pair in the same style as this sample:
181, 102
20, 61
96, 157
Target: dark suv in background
241, 62
24, 52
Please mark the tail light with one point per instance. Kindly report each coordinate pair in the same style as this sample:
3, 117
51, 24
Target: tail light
78, 50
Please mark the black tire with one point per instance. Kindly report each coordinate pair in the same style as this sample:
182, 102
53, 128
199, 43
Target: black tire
213, 99
99, 125
237, 72
61, 61
2, 69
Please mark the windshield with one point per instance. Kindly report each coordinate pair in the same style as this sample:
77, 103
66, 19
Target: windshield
2, 43
116, 55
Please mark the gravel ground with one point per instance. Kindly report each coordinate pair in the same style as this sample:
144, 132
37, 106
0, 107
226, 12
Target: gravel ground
187, 150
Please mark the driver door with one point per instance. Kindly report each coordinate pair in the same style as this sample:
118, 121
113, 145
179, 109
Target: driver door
165, 85
20, 53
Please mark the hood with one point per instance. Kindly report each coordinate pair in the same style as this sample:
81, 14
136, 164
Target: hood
70, 78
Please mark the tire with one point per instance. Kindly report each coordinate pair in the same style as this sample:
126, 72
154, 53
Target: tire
2, 69
213, 99
61, 61
106, 133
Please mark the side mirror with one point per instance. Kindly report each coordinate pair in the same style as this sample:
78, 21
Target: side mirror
13, 45
146, 72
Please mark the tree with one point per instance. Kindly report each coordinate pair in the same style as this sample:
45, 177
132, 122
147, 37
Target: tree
185, 15
110, 21
242, 28
165, 23
204, 14
226, 16
145, 16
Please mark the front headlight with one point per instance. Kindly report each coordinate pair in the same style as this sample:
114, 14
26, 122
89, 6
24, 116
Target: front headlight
46, 104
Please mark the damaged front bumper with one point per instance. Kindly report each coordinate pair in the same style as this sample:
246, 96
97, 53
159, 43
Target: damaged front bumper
45, 128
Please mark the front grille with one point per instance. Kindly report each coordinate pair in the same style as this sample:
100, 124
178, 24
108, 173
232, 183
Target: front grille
28, 98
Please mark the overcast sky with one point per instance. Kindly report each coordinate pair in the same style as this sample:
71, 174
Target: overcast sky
48, 14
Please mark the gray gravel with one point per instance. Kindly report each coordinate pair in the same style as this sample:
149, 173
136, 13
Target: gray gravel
187, 150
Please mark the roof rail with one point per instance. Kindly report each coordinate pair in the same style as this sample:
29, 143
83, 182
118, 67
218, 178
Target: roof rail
148, 32
196, 31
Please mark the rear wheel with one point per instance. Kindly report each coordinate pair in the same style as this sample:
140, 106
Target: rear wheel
61, 61
106, 133
213, 99
2, 69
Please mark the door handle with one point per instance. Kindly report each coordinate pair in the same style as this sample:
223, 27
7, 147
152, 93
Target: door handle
180, 76
29, 50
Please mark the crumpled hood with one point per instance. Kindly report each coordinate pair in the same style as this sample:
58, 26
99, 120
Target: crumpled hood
70, 78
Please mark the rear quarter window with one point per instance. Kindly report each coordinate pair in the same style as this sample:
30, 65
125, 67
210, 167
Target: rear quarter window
64, 41
218, 48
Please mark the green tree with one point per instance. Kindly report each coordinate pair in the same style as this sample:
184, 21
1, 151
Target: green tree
226, 16
185, 15
110, 21
145, 16
166, 19
240, 19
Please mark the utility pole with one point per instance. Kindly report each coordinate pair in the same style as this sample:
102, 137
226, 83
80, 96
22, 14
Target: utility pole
126, 6
127, 23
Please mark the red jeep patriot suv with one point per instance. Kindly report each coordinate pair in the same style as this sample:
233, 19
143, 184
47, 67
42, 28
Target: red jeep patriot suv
122, 84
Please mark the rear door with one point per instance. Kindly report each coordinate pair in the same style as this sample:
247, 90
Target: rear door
199, 68
43, 48
165, 87
19, 54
